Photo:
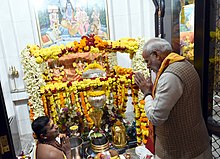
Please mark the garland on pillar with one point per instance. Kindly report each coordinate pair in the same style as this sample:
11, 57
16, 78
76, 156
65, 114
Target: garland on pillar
33, 81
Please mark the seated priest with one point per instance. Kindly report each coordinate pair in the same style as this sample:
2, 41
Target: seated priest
51, 144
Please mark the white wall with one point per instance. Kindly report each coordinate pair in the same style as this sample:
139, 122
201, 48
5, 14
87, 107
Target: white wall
16, 31
127, 18
130, 18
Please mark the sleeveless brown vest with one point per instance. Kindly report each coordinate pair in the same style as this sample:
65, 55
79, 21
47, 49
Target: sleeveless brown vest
184, 134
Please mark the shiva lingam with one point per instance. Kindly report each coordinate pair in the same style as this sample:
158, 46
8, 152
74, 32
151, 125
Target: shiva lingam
97, 98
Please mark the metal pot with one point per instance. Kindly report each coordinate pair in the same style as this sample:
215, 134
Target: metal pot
97, 101
76, 148
94, 73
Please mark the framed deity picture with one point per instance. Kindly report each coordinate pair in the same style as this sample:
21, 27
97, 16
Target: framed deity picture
63, 21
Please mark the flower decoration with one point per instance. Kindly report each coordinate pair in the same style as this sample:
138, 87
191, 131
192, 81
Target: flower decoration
68, 117
66, 101
95, 93
112, 60
142, 123
138, 64
91, 43
187, 49
33, 81
93, 66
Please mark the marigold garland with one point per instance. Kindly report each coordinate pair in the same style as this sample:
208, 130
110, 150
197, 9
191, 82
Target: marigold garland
95, 93
72, 98
58, 95
143, 122
89, 43
45, 105
86, 109
93, 66
62, 103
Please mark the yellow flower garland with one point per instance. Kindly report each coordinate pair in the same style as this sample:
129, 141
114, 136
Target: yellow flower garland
122, 76
95, 93
93, 66
128, 45
143, 122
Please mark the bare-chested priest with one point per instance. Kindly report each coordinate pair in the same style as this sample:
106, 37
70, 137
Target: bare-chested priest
47, 146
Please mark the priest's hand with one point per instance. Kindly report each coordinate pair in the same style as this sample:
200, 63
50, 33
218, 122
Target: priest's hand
66, 146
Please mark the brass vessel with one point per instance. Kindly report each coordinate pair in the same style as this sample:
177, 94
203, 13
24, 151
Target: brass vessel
100, 148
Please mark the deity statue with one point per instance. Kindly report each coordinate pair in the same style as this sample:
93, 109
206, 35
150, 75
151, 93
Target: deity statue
119, 135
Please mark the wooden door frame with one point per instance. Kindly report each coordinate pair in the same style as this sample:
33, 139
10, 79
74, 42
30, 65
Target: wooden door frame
5, 128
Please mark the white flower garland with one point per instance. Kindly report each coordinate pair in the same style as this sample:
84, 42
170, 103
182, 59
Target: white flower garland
33, 81
138, 64
112, 59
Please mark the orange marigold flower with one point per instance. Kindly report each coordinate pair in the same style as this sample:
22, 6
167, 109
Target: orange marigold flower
144, 141
142, 102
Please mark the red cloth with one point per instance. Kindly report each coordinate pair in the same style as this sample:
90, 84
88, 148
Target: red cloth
151, 142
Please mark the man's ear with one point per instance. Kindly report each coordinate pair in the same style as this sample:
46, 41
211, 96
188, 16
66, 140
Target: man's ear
160, 56
157, 55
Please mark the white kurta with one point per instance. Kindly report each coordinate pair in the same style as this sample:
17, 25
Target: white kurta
169, 90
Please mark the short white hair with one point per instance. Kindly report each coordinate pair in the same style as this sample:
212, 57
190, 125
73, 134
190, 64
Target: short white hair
157, 45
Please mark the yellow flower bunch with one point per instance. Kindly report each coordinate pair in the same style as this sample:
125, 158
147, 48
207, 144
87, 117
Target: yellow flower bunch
144, 122
53, 109
33, 48
121, 70
130, 44
93, 66
188, 49
127, 45
94, 50
51, 88
43, 54
95, 93
82, 46
99, 43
